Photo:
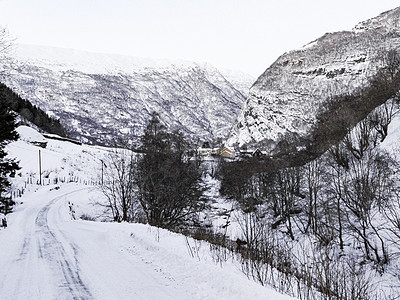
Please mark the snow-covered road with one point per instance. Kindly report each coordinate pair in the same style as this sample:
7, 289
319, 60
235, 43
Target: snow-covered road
38, 260
45, 254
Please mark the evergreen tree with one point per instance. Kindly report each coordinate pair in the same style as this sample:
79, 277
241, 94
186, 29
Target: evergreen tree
30, 112
7, 166
168, 180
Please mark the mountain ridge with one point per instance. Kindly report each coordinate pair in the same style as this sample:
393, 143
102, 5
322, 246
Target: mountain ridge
99, 97
286, 100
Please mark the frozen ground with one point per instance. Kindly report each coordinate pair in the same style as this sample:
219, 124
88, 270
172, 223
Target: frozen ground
47, 254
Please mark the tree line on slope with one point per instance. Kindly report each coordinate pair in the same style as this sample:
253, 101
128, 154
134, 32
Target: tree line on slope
8, 167
11, 103
330, 223
30, 112
339, 114
336, 220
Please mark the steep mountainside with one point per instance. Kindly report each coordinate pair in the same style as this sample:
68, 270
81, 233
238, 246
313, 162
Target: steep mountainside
282, 111
28, 112
98, 96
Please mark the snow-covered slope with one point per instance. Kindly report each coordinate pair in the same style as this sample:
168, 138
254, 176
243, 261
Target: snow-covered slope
285, 100
98, 96
60, 161
47, 252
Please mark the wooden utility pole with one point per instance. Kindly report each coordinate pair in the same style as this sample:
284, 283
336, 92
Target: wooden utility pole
103, 165
102, 171
40, 168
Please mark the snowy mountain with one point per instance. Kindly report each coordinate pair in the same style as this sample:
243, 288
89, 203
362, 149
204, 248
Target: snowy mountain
99, 96
286, 100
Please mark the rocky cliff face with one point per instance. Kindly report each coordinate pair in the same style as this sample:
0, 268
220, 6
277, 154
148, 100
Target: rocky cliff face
286, 100
99, 97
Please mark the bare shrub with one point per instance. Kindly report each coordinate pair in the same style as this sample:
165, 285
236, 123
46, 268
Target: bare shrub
118, 184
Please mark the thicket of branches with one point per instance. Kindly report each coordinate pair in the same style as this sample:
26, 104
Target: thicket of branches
6, 43
325, 227
340, 214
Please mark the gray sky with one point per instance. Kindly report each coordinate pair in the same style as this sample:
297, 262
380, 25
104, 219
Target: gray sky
245, 35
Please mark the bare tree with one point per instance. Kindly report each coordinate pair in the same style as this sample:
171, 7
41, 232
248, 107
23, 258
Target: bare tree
392, 213
285, 195
369, 188
382, 116
335, 181
6, 43
117, 183
313, 181
361, 139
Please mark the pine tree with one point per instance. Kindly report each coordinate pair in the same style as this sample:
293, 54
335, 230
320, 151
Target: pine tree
7, 166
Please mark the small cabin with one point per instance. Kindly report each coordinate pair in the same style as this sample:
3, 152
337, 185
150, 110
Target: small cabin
257, 153
226, 152
208, 151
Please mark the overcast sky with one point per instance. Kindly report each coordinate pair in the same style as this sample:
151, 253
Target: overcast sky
245, 35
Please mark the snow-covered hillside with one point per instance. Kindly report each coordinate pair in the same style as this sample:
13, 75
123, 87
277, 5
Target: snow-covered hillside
101, 96
60, 161
47, 252
286, 99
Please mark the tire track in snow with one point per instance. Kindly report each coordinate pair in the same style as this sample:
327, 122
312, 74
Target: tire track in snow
25, 249
61, 256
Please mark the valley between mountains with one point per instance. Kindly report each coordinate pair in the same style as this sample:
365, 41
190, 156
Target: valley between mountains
127, 178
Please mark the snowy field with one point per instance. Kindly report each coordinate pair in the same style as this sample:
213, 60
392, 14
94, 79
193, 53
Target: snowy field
47, 252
